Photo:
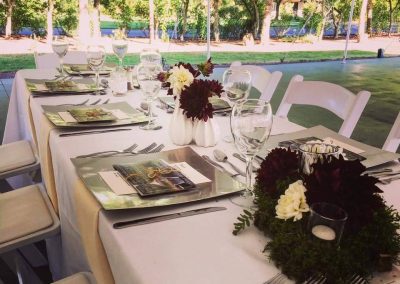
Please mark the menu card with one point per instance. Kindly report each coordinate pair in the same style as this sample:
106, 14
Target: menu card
219, 105
48, 87
84, 115
155, 177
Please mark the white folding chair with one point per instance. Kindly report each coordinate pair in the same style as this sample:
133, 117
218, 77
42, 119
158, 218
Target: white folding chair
27, 216
261, 79
17, 158
393, 140
332, 97
51, 60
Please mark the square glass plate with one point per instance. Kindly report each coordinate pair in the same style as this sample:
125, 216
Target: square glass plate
221, 183
134, 116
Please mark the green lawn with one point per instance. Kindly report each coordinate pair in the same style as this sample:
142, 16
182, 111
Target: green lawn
9, 63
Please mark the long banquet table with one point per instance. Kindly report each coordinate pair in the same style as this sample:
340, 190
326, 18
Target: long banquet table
196, 249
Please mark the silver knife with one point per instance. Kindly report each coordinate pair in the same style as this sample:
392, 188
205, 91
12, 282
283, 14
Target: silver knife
93, 132
154, 219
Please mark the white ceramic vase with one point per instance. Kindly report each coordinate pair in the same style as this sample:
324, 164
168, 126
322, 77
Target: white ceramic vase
206, 133
180, 127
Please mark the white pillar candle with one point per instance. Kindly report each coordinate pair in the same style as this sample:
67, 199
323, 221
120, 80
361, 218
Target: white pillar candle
323, 232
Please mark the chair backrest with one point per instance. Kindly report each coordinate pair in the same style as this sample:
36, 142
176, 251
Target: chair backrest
51, 60
330, 96
393, 140
261, 79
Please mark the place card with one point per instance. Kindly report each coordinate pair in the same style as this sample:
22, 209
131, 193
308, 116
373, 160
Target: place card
117, 183
190, 173
67, 117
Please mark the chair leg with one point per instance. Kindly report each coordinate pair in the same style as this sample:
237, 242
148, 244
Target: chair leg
7, 269
25, 273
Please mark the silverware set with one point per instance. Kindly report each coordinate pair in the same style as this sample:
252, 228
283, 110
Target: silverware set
280, 278
96, 102
386, 175
78, 133
152, 148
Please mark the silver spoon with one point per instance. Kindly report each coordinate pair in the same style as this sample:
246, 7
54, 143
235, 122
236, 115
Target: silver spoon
222, 157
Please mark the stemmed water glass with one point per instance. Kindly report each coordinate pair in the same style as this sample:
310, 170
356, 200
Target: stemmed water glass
120, 48
150, 85
251, 123
149, 55
237, 85
96, 55
60, 48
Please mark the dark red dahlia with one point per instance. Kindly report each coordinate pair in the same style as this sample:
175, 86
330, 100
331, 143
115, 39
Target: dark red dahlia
278, 165
340, 182
194, 100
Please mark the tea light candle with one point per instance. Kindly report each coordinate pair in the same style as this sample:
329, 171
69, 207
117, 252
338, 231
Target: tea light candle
323, 232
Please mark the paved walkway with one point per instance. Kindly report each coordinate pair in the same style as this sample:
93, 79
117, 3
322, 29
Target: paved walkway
391, 46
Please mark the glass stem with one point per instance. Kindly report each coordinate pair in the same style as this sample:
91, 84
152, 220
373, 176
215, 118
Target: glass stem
249, 169
97, 78
61, 66
120, 63
150, 112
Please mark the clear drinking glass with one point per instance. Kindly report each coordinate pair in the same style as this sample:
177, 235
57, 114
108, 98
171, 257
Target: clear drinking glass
237, 85
251, 123
150, 86
96, 55
149, 55
120, 48
327, 221
60, 48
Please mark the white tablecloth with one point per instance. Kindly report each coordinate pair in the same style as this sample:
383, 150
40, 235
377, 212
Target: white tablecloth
196, 249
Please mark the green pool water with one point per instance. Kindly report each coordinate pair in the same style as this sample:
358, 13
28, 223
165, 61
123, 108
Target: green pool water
379, 76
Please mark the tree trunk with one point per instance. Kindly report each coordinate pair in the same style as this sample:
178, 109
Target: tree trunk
156, 28
50, 9
278, 5
324, 15
216, 20
96, 19
361, 26
390, 17
184, 20
84, 22
9, 18
266, 25
369, 19
151, 20
256, 24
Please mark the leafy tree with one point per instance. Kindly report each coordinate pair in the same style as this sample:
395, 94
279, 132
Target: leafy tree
121, 10
216, 4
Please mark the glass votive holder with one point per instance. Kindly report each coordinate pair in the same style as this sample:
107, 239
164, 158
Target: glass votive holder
312, 152
119, 83
326, 222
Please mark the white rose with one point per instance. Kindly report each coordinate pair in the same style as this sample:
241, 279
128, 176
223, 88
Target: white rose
293, 203
180, 77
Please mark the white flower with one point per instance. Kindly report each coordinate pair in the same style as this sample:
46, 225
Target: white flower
179, 78
293, 203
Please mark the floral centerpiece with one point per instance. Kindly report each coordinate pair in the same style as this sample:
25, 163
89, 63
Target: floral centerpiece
283, 197
192, 118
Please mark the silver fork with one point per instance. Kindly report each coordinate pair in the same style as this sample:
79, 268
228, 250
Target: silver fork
277, 279
95, 102
147, 149
106, 101
110, 152
315, 279
78, 104
157, 149
357, 279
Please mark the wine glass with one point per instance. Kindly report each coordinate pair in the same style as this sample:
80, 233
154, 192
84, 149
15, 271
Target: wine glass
120, 48
237, 85
96, 55
149, 55
60, 48
150, 85
251, 123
